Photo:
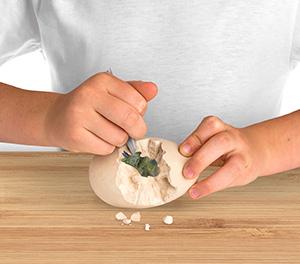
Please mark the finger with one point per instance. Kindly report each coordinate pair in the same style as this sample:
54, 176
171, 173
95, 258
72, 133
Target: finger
106, 130
217, 146
127, 93
219, 162
208, 127
219, 180
121, 114
147, 89
88, 142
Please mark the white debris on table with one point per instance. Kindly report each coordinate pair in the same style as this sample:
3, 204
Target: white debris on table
168, 219
135, 217
126, 221
120, 216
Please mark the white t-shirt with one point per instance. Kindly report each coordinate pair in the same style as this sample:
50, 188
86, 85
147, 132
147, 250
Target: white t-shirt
208, 57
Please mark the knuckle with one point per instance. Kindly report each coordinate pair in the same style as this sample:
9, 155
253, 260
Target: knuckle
213, 122
141, 104
130, 118
104, 76
211, 119
225, 139
196, 139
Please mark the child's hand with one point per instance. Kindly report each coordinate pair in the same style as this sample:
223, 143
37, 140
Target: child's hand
99, 114
240, 152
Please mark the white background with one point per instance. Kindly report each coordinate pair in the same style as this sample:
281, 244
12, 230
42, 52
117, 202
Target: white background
31, 71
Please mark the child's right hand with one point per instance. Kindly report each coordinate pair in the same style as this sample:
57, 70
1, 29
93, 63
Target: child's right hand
99, 115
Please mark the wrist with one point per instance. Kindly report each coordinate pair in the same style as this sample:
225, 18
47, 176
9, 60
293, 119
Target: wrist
260, 148
48, 124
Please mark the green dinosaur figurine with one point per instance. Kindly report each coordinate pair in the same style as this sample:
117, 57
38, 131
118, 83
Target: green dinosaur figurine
145, 166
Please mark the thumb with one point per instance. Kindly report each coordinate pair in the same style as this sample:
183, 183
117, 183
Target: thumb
147, 89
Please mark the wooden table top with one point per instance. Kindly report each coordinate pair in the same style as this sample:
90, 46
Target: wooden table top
48, 214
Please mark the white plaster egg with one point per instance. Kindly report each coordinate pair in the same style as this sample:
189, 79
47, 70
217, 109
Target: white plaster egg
121, 185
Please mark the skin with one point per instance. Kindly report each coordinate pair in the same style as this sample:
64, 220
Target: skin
242, 154
103, 111
95, 117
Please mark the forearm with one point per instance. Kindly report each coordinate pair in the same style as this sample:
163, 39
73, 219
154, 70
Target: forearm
280, 142
23, 114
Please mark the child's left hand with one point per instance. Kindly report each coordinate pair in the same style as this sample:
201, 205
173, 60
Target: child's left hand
240, 152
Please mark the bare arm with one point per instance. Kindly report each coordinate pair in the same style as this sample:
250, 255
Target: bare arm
281, 140
95, 117
23, 114
244, 154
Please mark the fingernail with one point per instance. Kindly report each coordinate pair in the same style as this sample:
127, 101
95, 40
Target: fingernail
188, 172
195, 193
186, 148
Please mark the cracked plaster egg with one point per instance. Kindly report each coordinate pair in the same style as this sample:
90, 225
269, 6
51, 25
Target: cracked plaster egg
121, 185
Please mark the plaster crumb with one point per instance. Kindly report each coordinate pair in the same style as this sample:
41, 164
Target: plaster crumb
136, 217
120, 216
126, 221
168, 219
147, 227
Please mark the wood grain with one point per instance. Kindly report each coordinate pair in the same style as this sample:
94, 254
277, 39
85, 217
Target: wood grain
48, 214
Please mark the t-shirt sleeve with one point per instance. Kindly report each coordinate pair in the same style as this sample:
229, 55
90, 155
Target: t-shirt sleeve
295, 56
19, 31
